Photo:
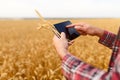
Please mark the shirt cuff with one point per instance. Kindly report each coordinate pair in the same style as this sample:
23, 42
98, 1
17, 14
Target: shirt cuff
71, 61
102, 39
66, 57
107, 39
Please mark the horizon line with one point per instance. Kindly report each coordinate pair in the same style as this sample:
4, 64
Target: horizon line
25, 18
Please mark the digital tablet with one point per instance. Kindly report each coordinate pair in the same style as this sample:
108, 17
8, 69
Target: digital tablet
71, 33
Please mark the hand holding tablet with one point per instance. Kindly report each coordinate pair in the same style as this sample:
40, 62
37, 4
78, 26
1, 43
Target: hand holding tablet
71, 33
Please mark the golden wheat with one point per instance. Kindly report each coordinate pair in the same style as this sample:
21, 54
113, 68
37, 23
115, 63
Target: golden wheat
47, 25
28, 54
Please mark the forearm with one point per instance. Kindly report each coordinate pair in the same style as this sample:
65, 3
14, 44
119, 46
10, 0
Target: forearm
98, 32
107, 39
76, 69
61, 45
62, 52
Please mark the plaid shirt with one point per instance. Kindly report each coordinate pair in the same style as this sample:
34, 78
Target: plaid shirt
75, 69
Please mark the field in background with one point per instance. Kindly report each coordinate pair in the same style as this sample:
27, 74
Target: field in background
28, 54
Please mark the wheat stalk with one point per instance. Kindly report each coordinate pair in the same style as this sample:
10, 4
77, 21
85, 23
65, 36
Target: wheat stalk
52, 28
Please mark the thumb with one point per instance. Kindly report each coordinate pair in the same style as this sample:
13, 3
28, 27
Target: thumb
63, 36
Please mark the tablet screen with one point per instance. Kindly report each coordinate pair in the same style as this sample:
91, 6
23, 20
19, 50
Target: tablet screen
71, 33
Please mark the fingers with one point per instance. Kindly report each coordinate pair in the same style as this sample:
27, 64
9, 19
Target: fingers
63, 36
55, 38
71, 42
76, 24
70, 26
79, 28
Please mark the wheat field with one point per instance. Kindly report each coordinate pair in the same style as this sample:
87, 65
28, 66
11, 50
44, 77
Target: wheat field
28, 54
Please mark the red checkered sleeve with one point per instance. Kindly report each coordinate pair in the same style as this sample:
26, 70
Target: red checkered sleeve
75, 69
107, 39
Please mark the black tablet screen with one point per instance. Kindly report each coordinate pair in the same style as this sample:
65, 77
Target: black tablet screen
71, 33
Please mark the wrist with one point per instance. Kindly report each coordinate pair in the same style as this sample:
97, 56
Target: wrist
99, 32
62, 52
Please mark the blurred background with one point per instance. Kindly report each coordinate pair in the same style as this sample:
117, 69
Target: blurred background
60, 8
27, 53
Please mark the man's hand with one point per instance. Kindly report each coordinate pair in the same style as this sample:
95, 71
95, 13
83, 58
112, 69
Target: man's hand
61, 44
85, 29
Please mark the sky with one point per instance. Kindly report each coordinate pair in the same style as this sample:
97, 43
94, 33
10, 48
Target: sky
60, 8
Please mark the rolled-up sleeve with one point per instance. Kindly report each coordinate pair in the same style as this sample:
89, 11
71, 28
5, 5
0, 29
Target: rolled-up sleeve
75, 69
69, 62
107, 39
